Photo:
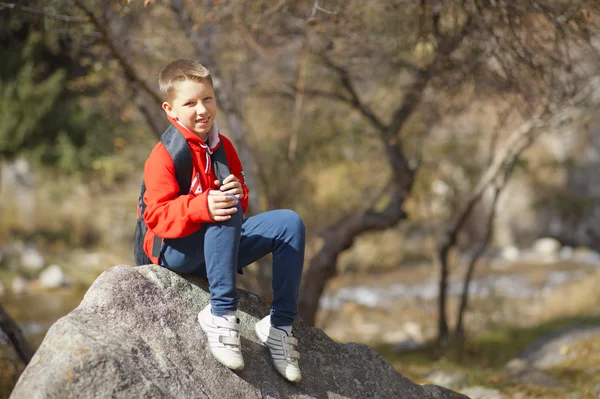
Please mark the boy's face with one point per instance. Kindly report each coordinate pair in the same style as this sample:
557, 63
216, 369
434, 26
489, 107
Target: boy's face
194, 106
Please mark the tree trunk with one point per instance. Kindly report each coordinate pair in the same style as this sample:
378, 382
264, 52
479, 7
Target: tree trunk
443, 292
464, 298
339, 238
15, 336
150, 109
200, 39
517, 142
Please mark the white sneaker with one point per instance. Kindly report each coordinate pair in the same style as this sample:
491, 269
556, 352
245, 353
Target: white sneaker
282, 347
223, 338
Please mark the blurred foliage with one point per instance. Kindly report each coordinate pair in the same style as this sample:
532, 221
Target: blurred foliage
50, 103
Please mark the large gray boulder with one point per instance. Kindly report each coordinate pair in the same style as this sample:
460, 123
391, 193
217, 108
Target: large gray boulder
546, 353
135, 335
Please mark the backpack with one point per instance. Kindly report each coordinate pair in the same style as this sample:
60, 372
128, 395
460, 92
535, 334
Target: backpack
181, 155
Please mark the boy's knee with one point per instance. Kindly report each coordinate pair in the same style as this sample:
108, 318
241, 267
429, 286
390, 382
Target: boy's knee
239, 215
292, 221
235, 218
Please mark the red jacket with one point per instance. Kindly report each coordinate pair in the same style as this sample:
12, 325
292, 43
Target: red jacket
169, 215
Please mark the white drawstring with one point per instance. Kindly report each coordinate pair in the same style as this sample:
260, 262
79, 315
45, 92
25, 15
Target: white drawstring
213, 136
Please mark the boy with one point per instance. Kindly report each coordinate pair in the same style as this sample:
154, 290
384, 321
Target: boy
204, 233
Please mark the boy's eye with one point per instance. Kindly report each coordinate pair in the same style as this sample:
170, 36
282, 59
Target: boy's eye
189, 103
207, 98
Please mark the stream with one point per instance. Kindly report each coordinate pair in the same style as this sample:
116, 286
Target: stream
510, 286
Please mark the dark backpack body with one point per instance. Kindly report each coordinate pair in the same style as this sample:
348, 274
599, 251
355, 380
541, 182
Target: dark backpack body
181, 155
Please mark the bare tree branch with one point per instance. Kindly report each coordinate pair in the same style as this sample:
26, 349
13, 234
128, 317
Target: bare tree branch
316, 8
102, 27
148, 97
298, 102
355, 100
249, 39
15, 336
46, 12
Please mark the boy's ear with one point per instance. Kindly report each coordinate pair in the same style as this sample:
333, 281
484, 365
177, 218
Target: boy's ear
169, 110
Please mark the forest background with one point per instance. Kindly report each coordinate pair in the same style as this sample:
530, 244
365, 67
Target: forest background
422, 142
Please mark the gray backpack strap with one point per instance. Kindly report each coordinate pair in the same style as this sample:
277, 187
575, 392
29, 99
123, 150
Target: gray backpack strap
219, 162
180, 152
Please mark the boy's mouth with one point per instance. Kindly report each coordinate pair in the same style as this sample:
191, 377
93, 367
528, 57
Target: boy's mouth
203, 121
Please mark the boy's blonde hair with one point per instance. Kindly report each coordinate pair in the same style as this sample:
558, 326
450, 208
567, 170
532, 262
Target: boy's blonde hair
179, 71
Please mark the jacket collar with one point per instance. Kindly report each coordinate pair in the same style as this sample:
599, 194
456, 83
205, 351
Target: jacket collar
213, 135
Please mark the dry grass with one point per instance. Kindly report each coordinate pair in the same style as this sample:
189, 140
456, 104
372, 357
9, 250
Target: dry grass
575, 298
70, 213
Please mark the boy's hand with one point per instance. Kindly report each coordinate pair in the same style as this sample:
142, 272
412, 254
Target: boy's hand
221, 205
231, 185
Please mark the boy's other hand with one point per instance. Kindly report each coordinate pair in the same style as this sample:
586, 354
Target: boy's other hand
221, 205
231, 185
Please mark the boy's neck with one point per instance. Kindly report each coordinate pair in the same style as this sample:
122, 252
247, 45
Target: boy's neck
204, 137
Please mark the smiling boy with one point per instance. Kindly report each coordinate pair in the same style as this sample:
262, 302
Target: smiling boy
204, 233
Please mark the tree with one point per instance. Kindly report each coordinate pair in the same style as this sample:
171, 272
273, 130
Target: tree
503, 162
456, 43
539, 53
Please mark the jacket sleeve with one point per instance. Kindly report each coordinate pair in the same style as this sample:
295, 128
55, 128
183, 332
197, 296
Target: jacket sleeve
235, 166
167, 214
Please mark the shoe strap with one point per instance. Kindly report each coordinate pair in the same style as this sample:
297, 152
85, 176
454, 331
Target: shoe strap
222, 322
230, 340
289, 344
292, 354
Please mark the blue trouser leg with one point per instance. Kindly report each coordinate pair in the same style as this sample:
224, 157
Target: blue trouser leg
218, 250
282, 233
210, 252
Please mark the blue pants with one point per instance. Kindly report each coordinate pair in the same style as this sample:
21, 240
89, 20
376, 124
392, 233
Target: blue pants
218, 250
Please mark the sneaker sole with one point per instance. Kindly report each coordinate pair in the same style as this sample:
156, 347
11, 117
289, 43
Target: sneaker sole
262, 338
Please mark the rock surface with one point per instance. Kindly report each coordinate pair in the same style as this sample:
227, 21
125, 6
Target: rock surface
448, 379
525, 373
135, 335
547, 352
482, 393
52, 277
552, 350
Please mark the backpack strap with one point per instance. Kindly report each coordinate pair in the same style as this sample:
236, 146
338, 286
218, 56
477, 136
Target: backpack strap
180, 152
219, 162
